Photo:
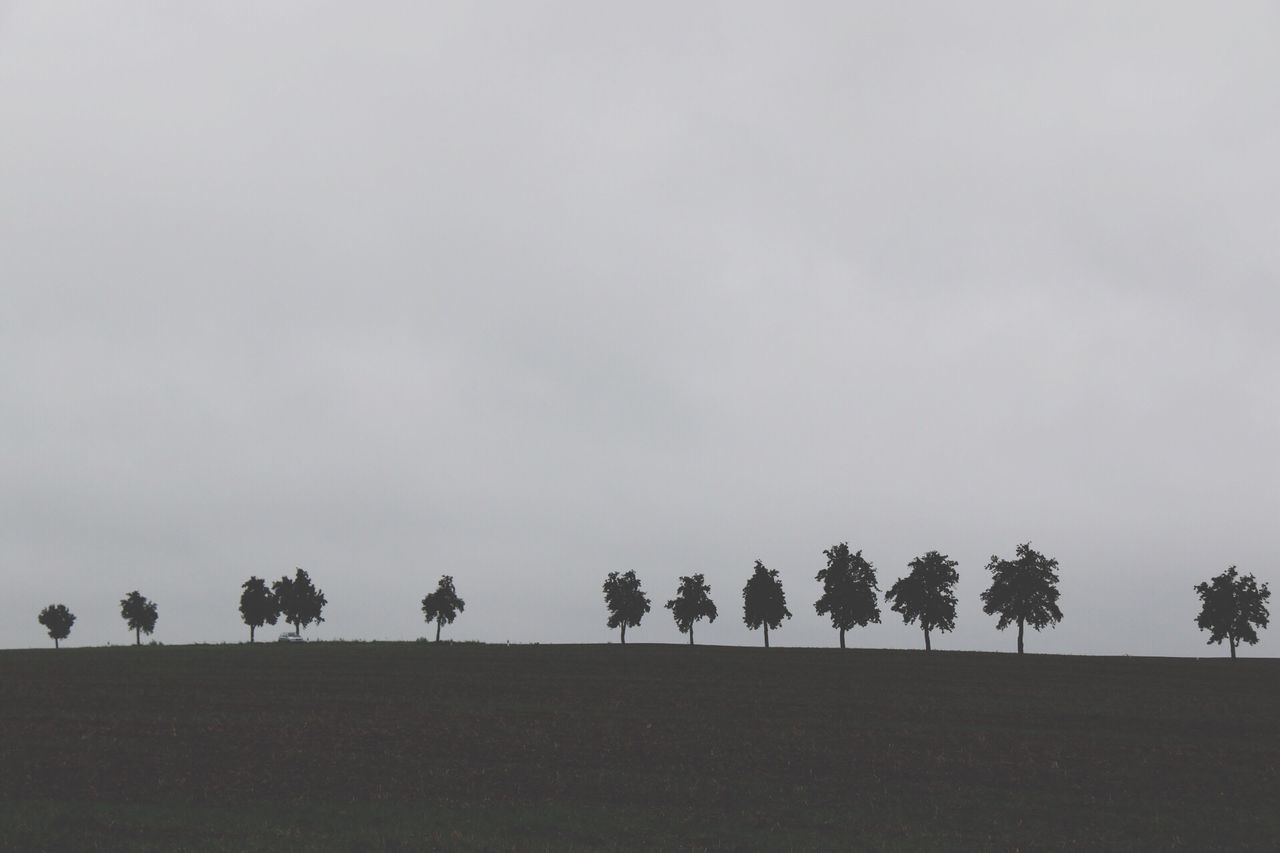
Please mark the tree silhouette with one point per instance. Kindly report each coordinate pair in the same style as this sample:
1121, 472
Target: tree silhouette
1230, 606
848, 590
627, 604
140, 614
692, 603
1023, 590
763, 601
443, 605
927, 594
300, 602
58, 619
258, 605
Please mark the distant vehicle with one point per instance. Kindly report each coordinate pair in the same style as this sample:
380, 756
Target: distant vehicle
290, 637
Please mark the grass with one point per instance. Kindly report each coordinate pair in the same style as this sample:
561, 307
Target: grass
406, 746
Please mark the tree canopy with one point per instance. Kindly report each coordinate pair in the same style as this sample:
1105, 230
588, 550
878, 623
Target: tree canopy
626, 603
1024, 591
927, 594
258, 605
764, 604
140, 614
692, 603
58, 620
300, 602
1231, 605
848, 590
443, 605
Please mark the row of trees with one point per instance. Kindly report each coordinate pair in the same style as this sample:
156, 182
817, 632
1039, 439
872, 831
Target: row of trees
1023, 591
295, 599
300, 603
138, 612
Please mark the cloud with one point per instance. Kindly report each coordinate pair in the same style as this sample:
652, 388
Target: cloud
526, 295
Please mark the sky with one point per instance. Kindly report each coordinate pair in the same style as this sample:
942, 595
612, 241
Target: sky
525, 293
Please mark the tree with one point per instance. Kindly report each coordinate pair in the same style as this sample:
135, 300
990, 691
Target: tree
58, 619
140, 614
1230, 607
300, 602
848, 590
443, 605
258, 605
926, 595
692, 603
1023, 590
627, 604
763, 601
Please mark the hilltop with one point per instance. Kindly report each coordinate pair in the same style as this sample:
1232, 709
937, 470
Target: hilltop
469, 746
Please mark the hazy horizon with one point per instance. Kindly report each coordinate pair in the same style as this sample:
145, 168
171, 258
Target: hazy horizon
525, 294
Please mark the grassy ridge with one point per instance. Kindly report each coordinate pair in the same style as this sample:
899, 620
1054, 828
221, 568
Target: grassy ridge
403, 746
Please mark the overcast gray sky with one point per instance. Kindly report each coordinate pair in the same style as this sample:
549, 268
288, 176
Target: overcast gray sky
529, 292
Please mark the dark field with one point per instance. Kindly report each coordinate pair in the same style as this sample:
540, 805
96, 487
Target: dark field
412, 746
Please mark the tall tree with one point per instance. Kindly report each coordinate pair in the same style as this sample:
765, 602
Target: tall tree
443, 605
258, 605
58, 620
140, 614
763, 601
848, 590
1024, 591
626, 603
927, 594
692, 602
1230, 606
300, 602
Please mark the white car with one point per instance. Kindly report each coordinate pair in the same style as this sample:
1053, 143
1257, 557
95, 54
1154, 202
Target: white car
290, 637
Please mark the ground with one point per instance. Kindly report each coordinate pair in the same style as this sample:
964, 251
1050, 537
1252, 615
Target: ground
407, 746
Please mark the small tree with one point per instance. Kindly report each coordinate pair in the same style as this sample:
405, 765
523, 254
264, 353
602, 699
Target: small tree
848, 590
1230, 607
763, 601
258, 605
626, 603
1023, 590
300, 602
140, 614
927, 594
58, 619
692, 602
443, 605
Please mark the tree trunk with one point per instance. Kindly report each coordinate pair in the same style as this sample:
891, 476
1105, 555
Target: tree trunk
766, 635
1019, 636
1231, 641
438, 623
691, 633
137, 636
842, 638
297, 629
55, 643
624, 633
251, 633
927, 647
